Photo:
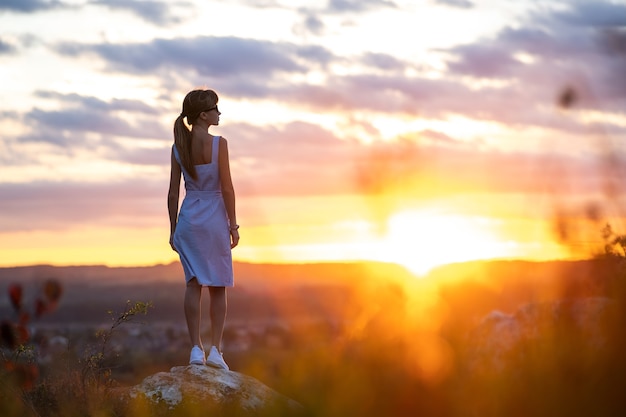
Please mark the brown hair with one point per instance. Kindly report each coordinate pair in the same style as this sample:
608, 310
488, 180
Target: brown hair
195, 102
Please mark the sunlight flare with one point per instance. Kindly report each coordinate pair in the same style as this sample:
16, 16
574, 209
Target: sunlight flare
422, 240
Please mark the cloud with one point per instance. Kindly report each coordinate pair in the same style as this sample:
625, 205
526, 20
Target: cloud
262, 4
264, 159
28, 6
412, 169
282, 158
95, 103
79, 120
301, 158
593, 14
331, 6
6, 47
531, 63
152, 156
495, 57
313, 17
550, 61
43, 205
613, 42
349, 6
518, 105
418, 97
8, 114
484, 61
557, 54
157, 12
313, 24
512, 76
463, 4
208, 56
77, 115
66, 128
256, 69
384, 61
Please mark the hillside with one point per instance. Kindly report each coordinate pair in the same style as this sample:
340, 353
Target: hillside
260, 291
329, 290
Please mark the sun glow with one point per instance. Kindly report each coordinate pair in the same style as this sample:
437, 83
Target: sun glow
423, 240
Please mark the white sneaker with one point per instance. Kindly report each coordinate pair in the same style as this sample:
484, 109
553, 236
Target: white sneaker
197, 356
215, 359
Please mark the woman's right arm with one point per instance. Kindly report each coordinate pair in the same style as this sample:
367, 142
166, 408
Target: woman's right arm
173, 195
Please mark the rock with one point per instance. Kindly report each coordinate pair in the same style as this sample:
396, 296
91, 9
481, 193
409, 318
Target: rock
491, 343
505, 343
558, 358
197, 390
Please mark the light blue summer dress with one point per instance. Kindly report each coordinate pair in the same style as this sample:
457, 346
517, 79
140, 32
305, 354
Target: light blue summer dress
202, 236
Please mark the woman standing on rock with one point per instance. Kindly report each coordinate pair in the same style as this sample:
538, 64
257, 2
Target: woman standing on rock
205, 229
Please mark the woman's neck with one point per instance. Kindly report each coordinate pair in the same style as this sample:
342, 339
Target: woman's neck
200, 127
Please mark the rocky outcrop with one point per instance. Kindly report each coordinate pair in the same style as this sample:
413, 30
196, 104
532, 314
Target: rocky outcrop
197, 390
558, 358
503, 343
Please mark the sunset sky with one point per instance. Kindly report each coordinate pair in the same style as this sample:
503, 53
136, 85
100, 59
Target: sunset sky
416, 132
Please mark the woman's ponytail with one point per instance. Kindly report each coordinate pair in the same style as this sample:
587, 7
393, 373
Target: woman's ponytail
182, 141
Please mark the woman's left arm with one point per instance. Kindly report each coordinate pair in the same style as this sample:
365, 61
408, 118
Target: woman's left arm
228, 191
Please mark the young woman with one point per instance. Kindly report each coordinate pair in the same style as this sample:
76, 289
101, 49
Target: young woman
205, 229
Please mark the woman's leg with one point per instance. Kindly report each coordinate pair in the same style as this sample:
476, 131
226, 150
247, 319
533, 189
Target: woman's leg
193, 294
218, 315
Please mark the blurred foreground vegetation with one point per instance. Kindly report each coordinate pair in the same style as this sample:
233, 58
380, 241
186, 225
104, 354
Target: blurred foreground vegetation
377, 347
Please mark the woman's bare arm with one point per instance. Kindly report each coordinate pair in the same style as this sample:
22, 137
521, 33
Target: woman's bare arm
228, 191
173, 196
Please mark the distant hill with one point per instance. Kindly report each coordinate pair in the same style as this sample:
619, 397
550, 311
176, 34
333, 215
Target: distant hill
246, 274
261, 290
330, 290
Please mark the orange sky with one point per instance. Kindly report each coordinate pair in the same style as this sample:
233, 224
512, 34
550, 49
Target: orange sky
494, 134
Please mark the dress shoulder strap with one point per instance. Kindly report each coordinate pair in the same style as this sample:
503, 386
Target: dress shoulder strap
216, 148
